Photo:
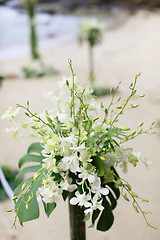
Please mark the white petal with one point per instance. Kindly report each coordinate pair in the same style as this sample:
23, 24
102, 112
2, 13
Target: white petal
100, 207
74, 201
72, 187
87, 204
91, 178
104, 191
88, 210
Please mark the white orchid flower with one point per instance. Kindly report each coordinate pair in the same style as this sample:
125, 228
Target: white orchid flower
81, 199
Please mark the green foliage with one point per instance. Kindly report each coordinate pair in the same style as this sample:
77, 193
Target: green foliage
100, 91
99, 166
26, 170
129, 195
65, 195
95, 216
108, 138
35, 148
30, 158
49, 207
38, 69
26, 204
106, 218
90, 30
26, 207
60, 127
94, 37
87, 217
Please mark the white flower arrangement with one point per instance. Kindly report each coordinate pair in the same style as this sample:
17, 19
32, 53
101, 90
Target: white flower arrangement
77, 153
90, 30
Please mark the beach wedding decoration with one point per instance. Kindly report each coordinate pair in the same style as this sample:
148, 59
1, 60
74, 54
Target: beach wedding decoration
91, 32
37, 68
79, 147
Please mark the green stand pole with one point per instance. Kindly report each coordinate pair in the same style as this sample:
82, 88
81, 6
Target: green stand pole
77, 226
30, 7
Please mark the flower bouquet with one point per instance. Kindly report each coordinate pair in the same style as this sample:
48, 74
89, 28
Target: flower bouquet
90, 31
76, 157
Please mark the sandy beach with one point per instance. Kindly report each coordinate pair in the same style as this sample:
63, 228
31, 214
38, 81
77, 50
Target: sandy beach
130, 46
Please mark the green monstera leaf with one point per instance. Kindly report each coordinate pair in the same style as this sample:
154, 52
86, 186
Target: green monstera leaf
33, 156
26, 203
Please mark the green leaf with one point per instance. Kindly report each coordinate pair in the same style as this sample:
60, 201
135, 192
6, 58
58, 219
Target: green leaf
114, 132
106, 219
49, 120
107, 143
32, 212
24, 214
93, 139
65, 194
145, 200
118, 183
128, 186
86, 218
30, 158
91, 226
56, 176
112, 200
114, 170
115, 142
35, 148
97, 162
115, 190
125, 197
18, 189
134, 194
135, 207
49, 207
95, 215
26, 170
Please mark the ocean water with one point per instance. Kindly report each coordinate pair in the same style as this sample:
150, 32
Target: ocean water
52, 30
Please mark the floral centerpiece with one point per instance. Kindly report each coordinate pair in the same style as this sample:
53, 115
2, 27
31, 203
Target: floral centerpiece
76, 157
90, 31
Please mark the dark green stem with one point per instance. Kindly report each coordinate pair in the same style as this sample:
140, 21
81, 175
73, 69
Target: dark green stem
30, 7
77, 226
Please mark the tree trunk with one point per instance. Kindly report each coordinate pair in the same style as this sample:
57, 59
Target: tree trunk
77, 226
